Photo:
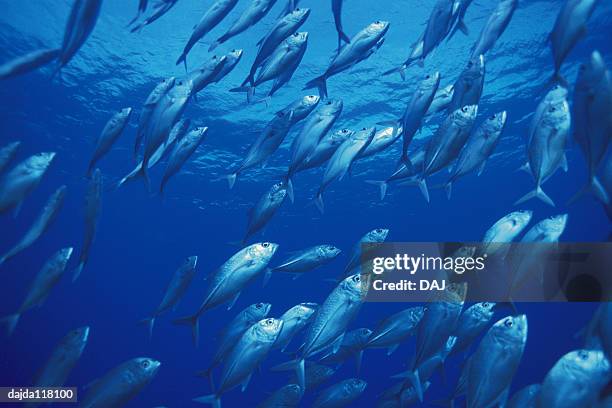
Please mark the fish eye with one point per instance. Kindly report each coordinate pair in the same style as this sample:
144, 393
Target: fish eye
269, 321
464, 109
492, 117
363, 128
427, 76
377, 22
145, 364
356, 278
328, 103
583, 355
379, 230
265, 244
485, 304
509, 323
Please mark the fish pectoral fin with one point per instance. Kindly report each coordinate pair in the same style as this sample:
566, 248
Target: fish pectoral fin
233, 302
245, 383
482, 167
335, 346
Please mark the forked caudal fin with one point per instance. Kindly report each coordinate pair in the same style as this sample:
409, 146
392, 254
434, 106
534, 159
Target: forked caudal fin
150, 322
320, 83
77, 271
538, 193
594, 187
382, 185
212, 399
318, 201
298, 366
250, 91
423, 187
194, 322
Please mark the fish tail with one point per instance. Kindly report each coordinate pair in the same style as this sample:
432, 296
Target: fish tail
298, 366
290, 192
320, 83
77, 271
145, 175
414, 379
11, 322
150, 322
211, 399
216, 43
183, 59
318, 201
400, 70
537, 193
382, 185
249, 89
594, 187
423, 187
194, 322
137, 28
162, 186
208, 373
90, 168
448, 187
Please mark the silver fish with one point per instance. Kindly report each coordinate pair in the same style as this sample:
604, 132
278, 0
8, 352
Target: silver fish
62, 360
142, 8
252, 348
40, 288
353, 344
211, 71
283, 28
494, 27
337, 12
161, 8
468, 87
441, 100
308, 259
342, 160
438, 26
458, 19
497, 238
235, 330
471, 324
256, 10
382, 140
46, 217
151, 102
329, 323
403, 172
315, 128
181, 279
393, 330
526, 397
547, 230
29, 62
341, 395
316, 374
82, 20
279, 67
266, 143
495, 362
93, 207
264, 210
7, 154
294, 320
360, 48
183, 150
325, 149
302, 107
547, 140
415, 54
227, 282
569, 28
21, 180
120, 384
111, 132
576, 380
232, 59
372, 237
478, 148
288, 396
213, 16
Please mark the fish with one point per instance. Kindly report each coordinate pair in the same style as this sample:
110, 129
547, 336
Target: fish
211, 18
337, 12
158, 92
229, 279
495, 362
329, 324
316, 374
28, 62
478, 148
315, 128
441, 100
494, 27
294, 321
569, 28
447, 142
342, 394
279, 67
576, 380
183, 150
263, 211
308, 259
120, 384
62, 360
302, 107
341, 161
415, 54
437, 324
288, 396
268, 141
467, 90
325, 149
111, 132
232, 59
353, 344
284, 27
526, 397
382, 140
161, 8
254, 12
360, 48
83, 17
180, 282
289, 7
93, 207
404, 172
458, 19
46, 217
142, 8
548, 136
415, 111
505, 230
375, 236
400, 395
234, 331
211, 71
40, 288
591, 112
19, 182
7, 154
252, 348
472, 322
395, 329
437, 27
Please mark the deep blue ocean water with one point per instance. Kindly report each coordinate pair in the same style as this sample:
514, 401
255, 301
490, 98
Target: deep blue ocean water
141, 239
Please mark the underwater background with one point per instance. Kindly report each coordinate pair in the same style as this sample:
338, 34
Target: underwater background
142, 239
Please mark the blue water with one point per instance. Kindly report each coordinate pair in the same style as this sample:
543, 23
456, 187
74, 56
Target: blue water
141, 240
